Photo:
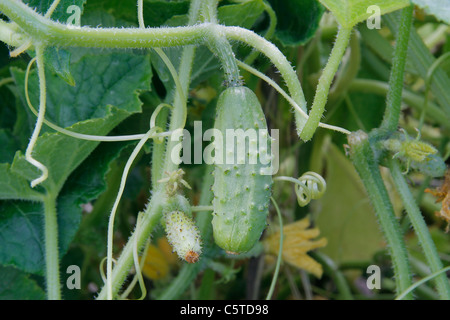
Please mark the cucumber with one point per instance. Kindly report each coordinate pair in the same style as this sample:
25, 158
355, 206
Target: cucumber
241, 190
182, 233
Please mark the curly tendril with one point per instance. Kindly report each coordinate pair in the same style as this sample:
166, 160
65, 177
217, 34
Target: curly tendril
310, 186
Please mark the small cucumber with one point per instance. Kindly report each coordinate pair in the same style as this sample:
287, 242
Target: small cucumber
182, 233
241, 190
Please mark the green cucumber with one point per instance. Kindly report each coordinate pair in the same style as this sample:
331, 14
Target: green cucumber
241, 190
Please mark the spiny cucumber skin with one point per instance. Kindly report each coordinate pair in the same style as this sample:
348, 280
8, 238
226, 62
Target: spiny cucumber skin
178, 203
241, 192
181, 231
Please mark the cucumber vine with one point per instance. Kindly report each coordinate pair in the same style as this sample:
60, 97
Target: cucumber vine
230, 217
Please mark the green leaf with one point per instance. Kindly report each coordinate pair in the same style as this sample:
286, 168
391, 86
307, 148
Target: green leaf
242, 14
102, 80
9, 145
58, 60
13, 186
21, 223
61, 154
106, 93
156, 12
439, 8
350, 12
16, 285
22, 235
85, 184
298, 20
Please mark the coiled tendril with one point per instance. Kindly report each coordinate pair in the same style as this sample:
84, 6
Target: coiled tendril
309, 186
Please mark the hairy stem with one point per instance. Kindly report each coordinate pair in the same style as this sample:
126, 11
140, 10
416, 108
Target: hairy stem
324, 84
51, 249
364, 161
56, 34
219, 45
394, 96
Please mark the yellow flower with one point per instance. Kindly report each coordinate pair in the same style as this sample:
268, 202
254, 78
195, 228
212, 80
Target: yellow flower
297, 242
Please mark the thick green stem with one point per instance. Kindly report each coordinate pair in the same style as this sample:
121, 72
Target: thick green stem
51, 249
364, 161
349, 72
58, 34
394, 96
219, 45
420, 227
324, 84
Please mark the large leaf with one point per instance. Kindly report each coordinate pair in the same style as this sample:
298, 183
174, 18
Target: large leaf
107, 89
350, 12
297, 20
102, 80
439, 8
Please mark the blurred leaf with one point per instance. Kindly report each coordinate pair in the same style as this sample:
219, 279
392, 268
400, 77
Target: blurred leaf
350, 12
297, 20
439, 8
344, 215
9, 146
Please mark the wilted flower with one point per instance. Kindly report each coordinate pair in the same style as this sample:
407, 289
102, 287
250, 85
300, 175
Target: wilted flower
297, 242
442, 194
